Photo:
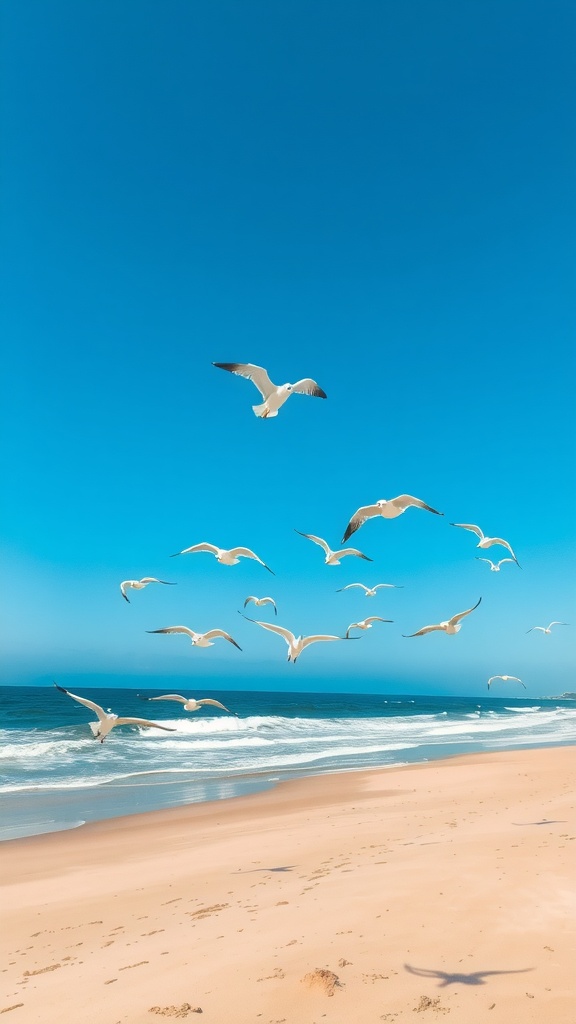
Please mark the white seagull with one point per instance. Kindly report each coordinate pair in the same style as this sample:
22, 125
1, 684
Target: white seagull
449, 626
486, 542
547, 629
388, 508
140, 584
333, 557
107, 721
495, 566
296, 644
369, 591
226, 556
189, 703
365, 624
198, 639
506, 680
274, 395
259, 601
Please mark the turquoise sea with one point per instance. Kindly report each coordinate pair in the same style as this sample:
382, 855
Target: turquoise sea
54, 776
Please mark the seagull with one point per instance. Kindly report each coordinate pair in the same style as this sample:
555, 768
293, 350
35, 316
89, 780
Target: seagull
506, 679
296, 644
189, 703
449, 626
274, 395
259, 601
365, 624
487, 542
226, 556
547, 629
107, 721
495, 566
140, 584
388, 508
198, 639
333, 557
369, 591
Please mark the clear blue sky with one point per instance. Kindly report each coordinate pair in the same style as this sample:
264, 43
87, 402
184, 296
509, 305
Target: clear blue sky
375, 194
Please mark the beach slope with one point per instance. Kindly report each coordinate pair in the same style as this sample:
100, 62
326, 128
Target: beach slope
444, 890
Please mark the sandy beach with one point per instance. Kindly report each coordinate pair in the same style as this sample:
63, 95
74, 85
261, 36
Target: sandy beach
437, 889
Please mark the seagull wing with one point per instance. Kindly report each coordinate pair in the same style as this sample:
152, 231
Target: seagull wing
257, 374
317, 638
504, 544
354, 625
168, 696
349, 585
541, 628
152, 579
144, 723
376, 618
487, 560
556, 623
393, 585
123, 585
221, 632
285, 633
307, 386
316, 540
406, 500
247, 553
360, 517
351, 551
215, 703
421, 632
198, 547
174, 629
87, 703
470, 526
502, 560
461, 615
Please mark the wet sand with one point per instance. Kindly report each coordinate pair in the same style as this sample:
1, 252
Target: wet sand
445, 890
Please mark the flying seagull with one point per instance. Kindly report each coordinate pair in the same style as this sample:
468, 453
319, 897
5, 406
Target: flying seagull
486, 542
140, 584
389, 508
198, 639
333, 557
449, 626
369, 591
547, 629
506, 680
259, 601
189, 703
495, 566
226, 556
274, 395
296, 644
107, 721
365, 624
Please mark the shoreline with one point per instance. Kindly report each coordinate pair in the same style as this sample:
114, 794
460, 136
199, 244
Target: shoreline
443, 886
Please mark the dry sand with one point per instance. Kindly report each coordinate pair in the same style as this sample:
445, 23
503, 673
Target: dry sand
444, 890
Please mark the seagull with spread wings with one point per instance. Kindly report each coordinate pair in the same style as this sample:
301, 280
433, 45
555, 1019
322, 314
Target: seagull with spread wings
548, 628
486, 542
449, 626
140, 584
259, 601
198, 639
369, 591
274, 395
108, 721
388, 508
226, 556
332, 557
495, 566
365, 624
296, 644
506, 680
189, 703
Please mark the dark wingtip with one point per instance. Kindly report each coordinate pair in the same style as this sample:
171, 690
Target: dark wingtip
175, 555
366, 557
125, 598
61, 688
269, 569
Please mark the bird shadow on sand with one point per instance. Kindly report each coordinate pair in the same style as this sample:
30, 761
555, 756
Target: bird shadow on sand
250, 871
445, 978
545, 821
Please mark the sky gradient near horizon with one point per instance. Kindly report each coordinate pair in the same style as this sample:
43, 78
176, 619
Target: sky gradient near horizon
376, 195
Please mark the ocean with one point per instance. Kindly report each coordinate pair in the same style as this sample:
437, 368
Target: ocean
54, 776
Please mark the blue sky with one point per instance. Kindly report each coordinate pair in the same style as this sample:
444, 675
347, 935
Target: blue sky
377, 195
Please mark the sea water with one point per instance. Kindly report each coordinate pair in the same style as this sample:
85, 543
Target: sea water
54, 775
